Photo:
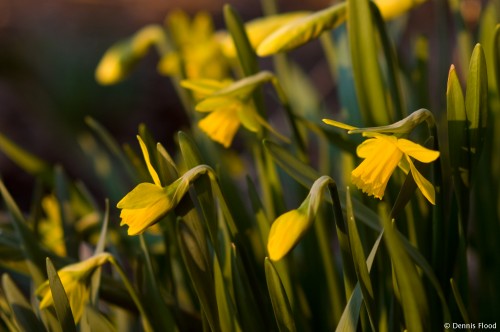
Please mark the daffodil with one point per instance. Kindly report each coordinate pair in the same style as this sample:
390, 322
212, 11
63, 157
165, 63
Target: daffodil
382, 154
147, 202
286, 230
198, 53
393, 8
50, 228
75, 279
229, 106
121, 58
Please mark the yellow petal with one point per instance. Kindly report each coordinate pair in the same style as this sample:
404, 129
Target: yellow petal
392, 8
110, 69
286, 232
423, 184
144, 194
204, 86
338, 124
214, 103
144, 206
221, 125
302, 30
152, 172
367, 148
417, 151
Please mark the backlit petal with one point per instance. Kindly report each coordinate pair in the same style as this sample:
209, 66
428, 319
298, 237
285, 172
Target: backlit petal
221, 125
152, 172
338, 124
417, 151
423, 184
286, 232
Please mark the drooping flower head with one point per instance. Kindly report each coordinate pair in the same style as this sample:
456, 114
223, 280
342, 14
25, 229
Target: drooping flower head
288, 228
147, 202
229, 106
382, 154
75, 279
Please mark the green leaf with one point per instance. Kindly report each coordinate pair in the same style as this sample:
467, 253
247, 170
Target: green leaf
476, 103
246, 54
419, 260
27, 161
459, 301
61, 303
199, 273
359, 259
370, 86
112, 145
62, 188
301, 31
306, 175
163, 320
250, 313
225, 306
410, 287
392, 64
281, 306
192, 157
496, 55
21, 308
263, 223
458, 142
349, 319
95, 280
97, 321
32, 251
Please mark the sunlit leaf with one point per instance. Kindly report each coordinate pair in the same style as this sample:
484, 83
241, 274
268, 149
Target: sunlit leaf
282, 310
21, 308
61, 302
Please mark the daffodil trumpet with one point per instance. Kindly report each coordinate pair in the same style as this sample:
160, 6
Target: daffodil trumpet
382, 153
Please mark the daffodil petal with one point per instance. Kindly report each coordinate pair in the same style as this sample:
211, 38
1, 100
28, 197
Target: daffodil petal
214, 103
144, 194
366, 149
417, 151
204, 86
221, 125
285, 233
423, 184
152, 172
338, 124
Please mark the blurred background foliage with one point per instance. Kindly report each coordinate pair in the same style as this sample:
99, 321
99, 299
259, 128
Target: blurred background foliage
48, 55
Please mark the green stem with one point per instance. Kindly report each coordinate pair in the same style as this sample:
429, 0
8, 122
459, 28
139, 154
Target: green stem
145, 320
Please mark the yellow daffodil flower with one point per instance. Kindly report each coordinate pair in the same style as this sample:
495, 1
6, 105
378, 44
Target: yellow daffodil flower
393, 8
286, 230
229, 107
50, 228
121, 57
75, 279
257, 30
147, 202
198, 54
382, 154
